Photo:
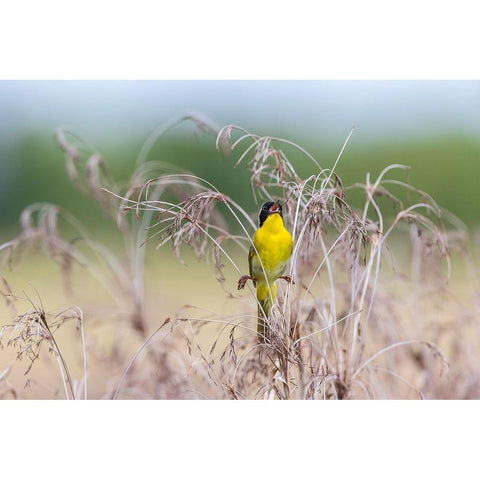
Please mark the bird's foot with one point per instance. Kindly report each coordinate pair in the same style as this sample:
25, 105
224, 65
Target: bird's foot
243, 280
288, 279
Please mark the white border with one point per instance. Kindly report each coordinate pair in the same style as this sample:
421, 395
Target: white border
215, 39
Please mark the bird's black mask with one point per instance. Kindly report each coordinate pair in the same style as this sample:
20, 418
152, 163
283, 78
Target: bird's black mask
269, 208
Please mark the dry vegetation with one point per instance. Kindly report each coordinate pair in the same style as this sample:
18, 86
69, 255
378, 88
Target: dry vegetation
371, 313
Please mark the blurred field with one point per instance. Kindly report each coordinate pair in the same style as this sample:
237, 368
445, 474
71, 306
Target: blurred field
170, 286
441, 312
446, 167
430, 310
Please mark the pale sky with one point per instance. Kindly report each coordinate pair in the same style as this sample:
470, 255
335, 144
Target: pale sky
326, 109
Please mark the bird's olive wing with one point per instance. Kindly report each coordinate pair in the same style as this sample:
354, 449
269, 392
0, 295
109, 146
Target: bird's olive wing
251, 252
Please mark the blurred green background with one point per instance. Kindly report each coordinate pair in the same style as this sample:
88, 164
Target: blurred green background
432, 126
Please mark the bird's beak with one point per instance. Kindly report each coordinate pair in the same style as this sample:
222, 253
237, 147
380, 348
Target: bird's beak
274, 208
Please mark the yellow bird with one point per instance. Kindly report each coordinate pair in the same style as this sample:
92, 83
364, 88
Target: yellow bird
267, 261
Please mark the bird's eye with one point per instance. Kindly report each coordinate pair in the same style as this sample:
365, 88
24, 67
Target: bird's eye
265, 208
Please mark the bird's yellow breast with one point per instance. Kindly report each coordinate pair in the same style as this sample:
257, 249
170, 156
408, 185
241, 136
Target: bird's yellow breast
274, 245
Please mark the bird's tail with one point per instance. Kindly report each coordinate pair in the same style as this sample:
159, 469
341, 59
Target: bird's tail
266, 295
